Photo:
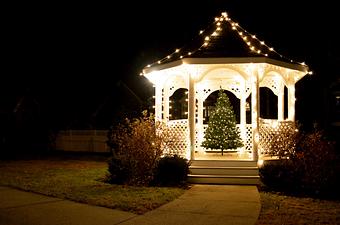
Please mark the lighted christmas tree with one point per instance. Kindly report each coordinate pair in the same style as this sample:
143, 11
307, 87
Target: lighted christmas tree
222, 132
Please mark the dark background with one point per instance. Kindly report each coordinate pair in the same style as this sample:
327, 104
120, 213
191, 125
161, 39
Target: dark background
77, 65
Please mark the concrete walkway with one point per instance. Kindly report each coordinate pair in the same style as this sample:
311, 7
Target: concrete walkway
201, 205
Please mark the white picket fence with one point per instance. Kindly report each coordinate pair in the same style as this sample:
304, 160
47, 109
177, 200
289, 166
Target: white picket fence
82, 141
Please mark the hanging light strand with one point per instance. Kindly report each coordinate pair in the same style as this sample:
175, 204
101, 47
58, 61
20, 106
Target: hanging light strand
249, 39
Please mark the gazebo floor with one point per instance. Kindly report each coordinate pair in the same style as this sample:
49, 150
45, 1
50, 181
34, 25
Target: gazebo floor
218, 156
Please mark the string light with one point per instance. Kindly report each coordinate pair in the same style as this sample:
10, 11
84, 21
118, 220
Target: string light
244, 34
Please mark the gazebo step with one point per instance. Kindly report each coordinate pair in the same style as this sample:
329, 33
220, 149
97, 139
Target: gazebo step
223, 179
203, 170
224, 163
224, 172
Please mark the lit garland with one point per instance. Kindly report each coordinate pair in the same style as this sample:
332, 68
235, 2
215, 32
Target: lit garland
249, 39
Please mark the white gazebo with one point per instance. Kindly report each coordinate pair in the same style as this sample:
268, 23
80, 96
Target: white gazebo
224, 56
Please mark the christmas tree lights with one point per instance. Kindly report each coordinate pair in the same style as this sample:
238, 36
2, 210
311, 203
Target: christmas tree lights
222, 132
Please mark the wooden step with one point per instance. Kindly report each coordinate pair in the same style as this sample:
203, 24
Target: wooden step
203, 170
224, 172
223, 179
224, 163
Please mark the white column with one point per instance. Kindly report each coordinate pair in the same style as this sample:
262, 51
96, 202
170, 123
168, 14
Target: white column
243, 116
200, 120
280, 102
255, 111
166, 103
291, 102
243, 128
191, 116
158, 103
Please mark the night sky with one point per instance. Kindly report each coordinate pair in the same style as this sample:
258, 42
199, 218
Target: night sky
69, 57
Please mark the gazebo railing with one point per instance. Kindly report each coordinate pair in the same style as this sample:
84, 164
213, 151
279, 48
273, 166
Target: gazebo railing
179, 133
269, 129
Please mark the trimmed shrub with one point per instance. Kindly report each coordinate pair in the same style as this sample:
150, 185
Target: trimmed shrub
280, 175
118, 171
171, 171
136, 148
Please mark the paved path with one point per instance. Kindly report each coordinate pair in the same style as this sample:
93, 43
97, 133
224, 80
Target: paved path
201, 205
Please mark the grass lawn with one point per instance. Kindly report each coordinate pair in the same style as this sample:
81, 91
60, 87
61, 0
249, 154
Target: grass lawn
279, 209
82, 181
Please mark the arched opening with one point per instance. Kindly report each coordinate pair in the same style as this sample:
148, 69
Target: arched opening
178, 108
268, 104
210, 101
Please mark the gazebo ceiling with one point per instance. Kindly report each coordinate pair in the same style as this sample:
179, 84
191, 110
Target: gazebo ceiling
225, 41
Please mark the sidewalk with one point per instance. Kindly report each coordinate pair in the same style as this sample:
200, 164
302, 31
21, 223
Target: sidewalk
201, 205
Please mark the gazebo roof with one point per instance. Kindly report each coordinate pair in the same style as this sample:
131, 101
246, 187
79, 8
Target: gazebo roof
226, 41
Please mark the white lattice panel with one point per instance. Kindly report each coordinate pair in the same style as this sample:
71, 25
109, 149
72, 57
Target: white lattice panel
198, 141
249, 138
179, 133
269, 129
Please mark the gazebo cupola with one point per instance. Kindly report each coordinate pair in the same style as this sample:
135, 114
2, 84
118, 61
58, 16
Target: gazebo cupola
226, 56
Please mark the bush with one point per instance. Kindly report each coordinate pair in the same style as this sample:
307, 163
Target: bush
171, 171
315, 158
280, 175
310, 169
136, 148
118, 171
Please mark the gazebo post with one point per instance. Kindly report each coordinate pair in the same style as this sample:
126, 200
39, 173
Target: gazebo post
243, 115
200, 128
291, 102
191, 116
280, 102
158, 103
255, 113
166, 103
